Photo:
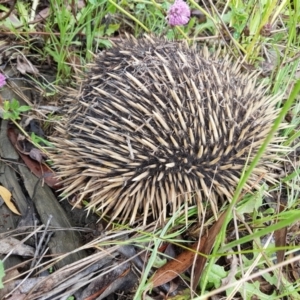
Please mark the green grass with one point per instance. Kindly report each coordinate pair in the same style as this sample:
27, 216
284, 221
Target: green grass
262, 30
2, 274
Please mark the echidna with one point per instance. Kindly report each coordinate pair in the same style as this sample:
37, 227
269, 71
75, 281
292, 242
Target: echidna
156, 124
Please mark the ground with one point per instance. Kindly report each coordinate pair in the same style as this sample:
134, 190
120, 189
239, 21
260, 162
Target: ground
52, 250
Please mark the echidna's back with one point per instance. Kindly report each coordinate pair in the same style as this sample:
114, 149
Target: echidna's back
158, 123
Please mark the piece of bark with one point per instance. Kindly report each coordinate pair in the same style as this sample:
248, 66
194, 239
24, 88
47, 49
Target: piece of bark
65, 239
7, 150
8, 179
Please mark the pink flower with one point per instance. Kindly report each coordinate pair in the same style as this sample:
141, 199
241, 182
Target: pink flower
2, 80
179, 13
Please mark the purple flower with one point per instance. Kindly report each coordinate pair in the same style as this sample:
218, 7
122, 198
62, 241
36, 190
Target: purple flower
2, 80
179, 13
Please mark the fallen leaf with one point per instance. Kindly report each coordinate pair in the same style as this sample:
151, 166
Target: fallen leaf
206, 248
6, 196
280, 239
42, 15
40, 170
25, 66
13, 19
11, 244
37, 155
183, 261
9, 279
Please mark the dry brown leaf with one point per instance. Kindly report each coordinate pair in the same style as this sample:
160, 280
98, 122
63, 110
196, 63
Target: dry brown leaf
13, 19
280, 239
6, 196
37, 155
183, 261
9, 282
42, 15
9, 244
25, 66
40, 170
206, 247
174, 267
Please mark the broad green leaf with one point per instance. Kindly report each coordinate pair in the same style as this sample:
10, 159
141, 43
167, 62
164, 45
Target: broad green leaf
24, 108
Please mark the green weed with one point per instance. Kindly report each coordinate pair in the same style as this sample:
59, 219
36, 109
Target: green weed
12, 109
